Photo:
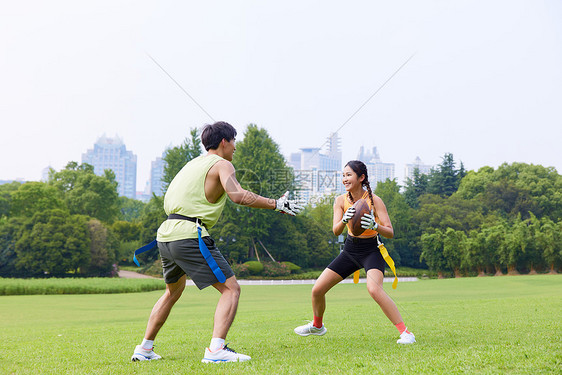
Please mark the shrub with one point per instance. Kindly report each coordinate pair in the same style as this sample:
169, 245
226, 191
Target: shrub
293, 268
273, 269
254, 267
240, 270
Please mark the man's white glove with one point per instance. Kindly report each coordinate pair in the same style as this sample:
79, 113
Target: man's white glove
368, 222
348, 215
285, 206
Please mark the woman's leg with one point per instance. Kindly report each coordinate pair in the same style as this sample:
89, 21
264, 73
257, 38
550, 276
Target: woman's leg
325, 282
374, 286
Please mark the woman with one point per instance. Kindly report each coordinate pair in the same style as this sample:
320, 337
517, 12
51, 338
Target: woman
359, 252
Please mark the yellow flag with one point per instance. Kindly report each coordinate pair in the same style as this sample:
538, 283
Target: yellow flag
356, 277
390, 263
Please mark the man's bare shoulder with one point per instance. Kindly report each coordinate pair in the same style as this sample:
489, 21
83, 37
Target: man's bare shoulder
222, 166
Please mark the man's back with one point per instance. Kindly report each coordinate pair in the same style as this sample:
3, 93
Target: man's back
186, 196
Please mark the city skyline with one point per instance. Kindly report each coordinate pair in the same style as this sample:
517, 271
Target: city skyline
112, 153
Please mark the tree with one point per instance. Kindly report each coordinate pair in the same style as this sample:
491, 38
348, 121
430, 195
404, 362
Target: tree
533, 254
53, 242
516, 244
452, 212
476, 253
454, 249
130, 209
432, 251
445, 179
6, 191
495, 243
178, 156
102, 250
260, 168
33, 197
514, 189
473, 185
415, 188
9, 234
549, 239
86, 193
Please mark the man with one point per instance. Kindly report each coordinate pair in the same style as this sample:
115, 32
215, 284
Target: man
193, 202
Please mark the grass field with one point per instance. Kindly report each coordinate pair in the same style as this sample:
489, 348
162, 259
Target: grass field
472, 325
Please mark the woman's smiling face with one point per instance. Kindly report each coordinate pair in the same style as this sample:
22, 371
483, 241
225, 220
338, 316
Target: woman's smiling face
350, 179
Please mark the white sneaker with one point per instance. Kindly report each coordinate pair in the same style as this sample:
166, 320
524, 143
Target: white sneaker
310, 329
144, 355
406, 338
225, 354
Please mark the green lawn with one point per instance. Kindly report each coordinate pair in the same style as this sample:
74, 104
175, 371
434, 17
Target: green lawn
472, 325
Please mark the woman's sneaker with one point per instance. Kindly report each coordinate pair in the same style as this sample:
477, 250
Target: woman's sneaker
310, 329
406, 338
225, 354
143, 354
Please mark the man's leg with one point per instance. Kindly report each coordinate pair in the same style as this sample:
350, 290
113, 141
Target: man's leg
226, 307
224, 316
162, 308
158, 316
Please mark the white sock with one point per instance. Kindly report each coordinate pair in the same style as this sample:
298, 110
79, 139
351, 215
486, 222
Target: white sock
147, 344
216, 343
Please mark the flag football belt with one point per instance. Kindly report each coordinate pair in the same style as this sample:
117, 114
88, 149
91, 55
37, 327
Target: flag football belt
384, 252
202, 247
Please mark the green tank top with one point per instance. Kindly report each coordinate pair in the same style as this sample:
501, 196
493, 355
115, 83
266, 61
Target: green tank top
186, 196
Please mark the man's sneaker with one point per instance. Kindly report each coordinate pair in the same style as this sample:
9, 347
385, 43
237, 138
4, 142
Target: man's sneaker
225, 354
406, 338
144, 355
310, 329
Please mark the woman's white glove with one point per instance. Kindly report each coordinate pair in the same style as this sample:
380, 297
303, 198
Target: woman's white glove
348, 215
368, 222
285, 206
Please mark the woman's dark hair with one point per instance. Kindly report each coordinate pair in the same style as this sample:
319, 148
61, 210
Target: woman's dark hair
360, 168
212, 135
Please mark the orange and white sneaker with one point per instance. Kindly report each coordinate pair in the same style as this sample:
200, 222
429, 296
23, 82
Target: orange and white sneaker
406, 338
224, 354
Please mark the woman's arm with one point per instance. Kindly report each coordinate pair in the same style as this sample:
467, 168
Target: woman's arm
338, 225
385, 226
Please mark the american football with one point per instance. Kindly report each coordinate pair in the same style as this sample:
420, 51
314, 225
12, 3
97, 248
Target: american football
361, 208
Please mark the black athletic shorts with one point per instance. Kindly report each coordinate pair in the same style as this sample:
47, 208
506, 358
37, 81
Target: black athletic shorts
184, 257
358, 253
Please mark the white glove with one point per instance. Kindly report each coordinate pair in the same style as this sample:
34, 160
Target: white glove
348, 215
368, 222
285, 206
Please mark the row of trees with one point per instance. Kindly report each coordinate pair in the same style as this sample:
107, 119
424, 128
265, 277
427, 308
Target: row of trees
60, 226
451, 220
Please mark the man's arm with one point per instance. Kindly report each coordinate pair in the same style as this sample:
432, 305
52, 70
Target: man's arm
237, 194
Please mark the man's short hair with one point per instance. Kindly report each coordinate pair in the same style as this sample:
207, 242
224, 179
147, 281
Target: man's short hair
212, 135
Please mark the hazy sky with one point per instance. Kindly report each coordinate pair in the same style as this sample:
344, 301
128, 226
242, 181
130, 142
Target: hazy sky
485, 82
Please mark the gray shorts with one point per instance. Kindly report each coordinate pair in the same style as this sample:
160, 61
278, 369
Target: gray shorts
184, 257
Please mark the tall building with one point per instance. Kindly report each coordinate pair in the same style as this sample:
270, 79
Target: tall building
409, 168
156, 175
377, 170
111, 153
45, 173
317, 171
